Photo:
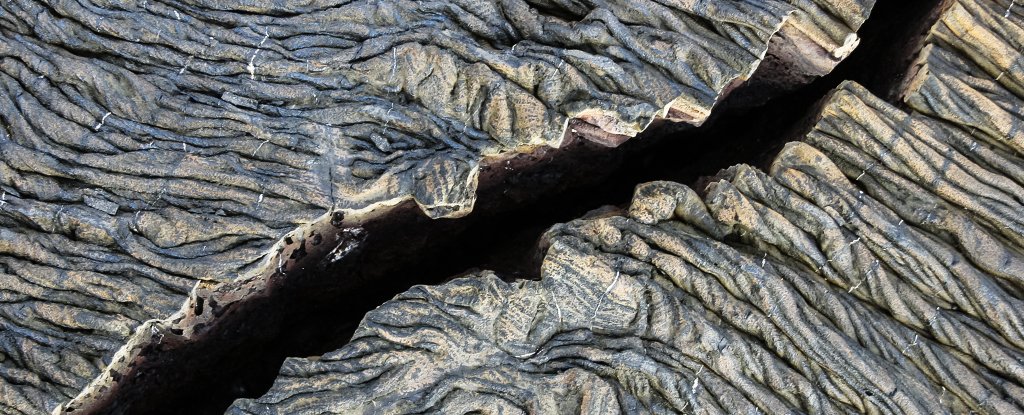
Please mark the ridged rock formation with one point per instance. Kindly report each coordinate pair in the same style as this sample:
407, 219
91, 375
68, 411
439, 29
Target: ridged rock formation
875, 268
146, 146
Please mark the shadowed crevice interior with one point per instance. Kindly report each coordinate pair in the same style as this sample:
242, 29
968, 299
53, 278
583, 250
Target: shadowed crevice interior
518, 198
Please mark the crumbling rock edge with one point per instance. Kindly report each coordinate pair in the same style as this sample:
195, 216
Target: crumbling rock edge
796, 40
793, 33
876, 266
779, 291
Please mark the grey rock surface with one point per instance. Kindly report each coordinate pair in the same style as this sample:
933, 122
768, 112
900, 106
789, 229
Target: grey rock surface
147, 146
874, 268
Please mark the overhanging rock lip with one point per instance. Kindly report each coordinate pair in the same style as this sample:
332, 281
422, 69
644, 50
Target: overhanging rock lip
901, 384
332, 239
812, 59
104, 387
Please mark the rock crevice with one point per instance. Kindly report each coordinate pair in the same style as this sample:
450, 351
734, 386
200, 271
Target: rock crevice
871, 268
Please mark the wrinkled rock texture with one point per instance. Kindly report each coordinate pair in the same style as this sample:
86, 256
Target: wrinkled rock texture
146, 146
876, 267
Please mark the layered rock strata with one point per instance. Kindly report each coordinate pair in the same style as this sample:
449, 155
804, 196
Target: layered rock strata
146, 147
874, 268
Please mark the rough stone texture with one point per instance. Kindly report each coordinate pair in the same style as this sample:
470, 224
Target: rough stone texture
875, 268
145, 146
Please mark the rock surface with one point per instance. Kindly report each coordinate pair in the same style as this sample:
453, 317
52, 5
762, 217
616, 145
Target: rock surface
147, 146
875, 268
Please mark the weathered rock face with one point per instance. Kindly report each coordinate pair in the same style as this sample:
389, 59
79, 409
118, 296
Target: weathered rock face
875, 268
147, 146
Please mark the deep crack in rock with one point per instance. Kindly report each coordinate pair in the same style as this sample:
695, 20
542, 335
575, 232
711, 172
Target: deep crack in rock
875, 267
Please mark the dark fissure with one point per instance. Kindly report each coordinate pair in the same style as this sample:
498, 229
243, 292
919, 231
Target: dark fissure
317, 310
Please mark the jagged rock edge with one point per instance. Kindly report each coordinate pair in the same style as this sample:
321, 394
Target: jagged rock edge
181, 326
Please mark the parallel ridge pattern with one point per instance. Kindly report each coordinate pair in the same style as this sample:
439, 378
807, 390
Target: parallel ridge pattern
147, 145
876, 268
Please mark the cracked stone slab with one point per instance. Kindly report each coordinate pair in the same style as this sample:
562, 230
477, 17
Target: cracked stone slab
875, 267
146, 146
